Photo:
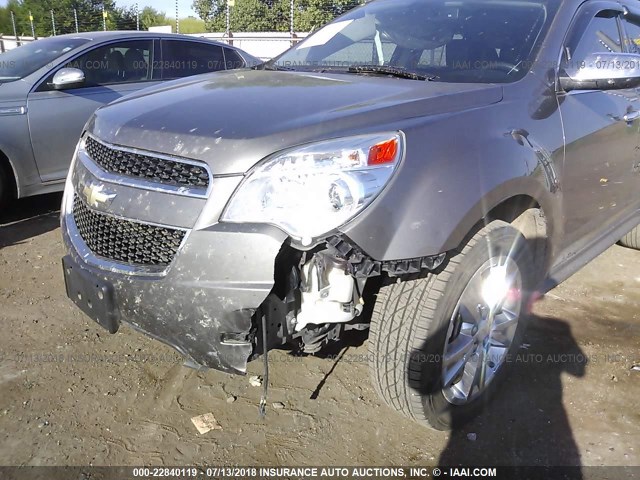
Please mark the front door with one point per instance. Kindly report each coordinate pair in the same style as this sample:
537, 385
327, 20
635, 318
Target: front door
601, 135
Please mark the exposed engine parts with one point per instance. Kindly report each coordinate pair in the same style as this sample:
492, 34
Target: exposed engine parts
329, 294
318, 294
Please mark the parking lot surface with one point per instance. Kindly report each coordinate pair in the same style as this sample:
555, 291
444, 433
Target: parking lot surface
71, 394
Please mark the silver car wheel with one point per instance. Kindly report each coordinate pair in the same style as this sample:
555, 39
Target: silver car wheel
481, 330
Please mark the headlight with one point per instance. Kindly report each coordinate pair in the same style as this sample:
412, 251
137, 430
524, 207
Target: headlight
311, 190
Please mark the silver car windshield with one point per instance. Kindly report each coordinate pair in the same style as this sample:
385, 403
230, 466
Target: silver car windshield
455, 41
22, 61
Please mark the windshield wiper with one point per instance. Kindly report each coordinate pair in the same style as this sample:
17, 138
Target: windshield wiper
392, 71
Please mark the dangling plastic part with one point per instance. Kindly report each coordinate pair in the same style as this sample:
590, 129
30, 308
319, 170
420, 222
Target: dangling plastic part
262, 409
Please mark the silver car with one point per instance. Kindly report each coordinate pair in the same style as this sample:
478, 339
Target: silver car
422, 169
50, 88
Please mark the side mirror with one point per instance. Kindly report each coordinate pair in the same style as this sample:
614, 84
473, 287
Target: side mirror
67, 78
602, 71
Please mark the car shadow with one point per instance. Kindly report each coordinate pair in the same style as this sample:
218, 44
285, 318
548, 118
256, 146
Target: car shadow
525, 423
335, 350
29, 217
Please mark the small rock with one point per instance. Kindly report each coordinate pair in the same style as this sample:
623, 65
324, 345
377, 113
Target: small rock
69, 390
472, 437
277, 405
636, 368
614, 378
255, 381
231, 398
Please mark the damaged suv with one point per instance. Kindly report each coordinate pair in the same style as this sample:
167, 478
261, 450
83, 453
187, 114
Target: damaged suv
423, 169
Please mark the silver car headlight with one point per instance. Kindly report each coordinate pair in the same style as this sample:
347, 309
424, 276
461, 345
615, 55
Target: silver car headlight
310, 190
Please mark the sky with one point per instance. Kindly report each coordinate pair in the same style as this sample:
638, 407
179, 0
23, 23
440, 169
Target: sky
166, 6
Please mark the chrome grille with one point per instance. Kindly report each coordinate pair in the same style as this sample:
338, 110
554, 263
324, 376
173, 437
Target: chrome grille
125, 241
136, 165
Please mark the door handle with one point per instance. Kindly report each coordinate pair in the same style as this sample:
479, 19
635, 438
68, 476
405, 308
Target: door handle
631, 116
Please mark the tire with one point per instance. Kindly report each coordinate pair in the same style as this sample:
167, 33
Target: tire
413, 322
631, 239
5, 190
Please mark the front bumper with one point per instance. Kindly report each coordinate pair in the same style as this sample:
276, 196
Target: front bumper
203, 304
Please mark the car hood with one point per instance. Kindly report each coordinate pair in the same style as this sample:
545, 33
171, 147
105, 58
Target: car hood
233, 119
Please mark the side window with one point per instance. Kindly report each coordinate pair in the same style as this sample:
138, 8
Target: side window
116, 63
601, 36
182, 59
433, 58
233, 59
632, 28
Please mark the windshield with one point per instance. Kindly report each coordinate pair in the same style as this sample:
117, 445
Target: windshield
454, 41
22, 61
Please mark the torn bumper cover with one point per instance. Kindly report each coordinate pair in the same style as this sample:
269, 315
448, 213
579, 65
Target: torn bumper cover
202, 305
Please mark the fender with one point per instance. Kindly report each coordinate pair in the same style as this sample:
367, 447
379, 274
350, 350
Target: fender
15, 146
456, 170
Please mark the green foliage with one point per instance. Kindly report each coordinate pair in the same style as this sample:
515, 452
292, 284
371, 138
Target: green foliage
245, 15
6, 27
312, 14
188, 25
150, 17
89, 14
270, 15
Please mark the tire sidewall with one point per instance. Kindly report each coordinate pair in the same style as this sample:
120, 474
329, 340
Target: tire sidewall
5, 192
440, 413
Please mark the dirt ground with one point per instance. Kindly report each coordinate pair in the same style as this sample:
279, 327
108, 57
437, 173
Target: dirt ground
71, 394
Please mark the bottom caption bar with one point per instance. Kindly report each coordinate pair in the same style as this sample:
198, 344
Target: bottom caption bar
273, 472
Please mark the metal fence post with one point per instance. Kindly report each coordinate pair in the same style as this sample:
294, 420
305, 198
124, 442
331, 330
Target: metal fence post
177, 19
15, 31
137, 18
292, 31
53, 23
33, 28
104, 18
75, 18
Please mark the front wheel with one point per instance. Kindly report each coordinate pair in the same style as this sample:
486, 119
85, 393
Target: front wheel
5, 190
632, 239
440, 344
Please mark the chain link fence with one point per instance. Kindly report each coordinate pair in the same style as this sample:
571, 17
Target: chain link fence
264, 28
59, 22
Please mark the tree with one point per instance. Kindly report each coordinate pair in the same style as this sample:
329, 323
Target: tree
89, 13
21, 18
270, 15
5, 21
245, 15
150, 17
122, 18
312, 14
211, 12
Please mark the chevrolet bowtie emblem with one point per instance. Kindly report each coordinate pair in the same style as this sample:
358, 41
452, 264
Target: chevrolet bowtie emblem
96, 196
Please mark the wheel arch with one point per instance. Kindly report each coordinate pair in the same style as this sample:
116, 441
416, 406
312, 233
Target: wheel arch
525, 213
10, 171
